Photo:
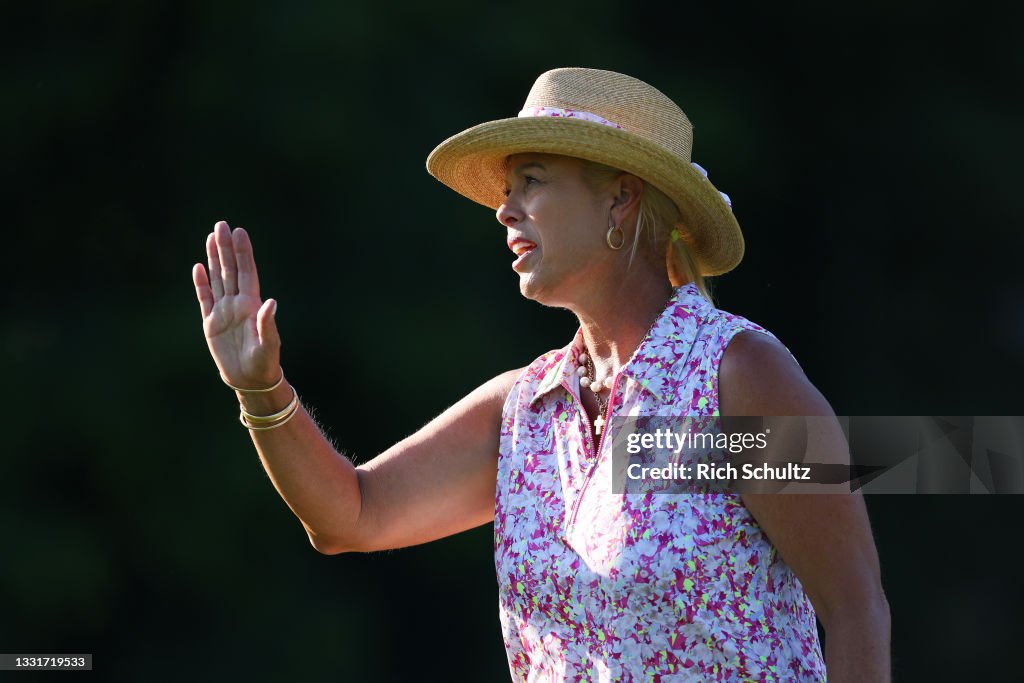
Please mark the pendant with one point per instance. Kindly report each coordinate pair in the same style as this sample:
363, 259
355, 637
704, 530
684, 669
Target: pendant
599, 424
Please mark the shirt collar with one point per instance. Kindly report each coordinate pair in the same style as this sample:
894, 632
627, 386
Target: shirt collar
668, 342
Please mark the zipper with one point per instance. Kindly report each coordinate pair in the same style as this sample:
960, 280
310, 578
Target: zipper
590, 442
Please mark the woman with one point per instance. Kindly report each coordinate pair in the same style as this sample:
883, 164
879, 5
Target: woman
607, 218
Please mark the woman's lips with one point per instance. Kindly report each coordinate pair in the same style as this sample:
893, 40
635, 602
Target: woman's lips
522, 249
523, 256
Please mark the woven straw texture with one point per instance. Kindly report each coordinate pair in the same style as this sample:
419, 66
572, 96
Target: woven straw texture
654, 144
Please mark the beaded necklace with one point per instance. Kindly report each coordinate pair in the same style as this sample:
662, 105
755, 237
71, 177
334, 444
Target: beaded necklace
586, 372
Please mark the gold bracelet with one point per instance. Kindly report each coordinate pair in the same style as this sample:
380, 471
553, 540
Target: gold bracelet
254, 391
264, 422
255, 428
265, 419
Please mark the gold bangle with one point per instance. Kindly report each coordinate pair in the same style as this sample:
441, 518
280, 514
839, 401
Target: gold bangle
255, 428
264, 422
254, 391
265, 419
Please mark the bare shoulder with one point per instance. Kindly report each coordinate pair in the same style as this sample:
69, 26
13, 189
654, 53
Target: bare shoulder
476, 416
758, 376
481, 408
826, 538
497, 389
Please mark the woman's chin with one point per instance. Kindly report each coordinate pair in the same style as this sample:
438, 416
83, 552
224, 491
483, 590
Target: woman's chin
533, 288
530, 287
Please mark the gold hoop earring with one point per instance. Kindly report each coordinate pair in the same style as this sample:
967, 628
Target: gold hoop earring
622, 238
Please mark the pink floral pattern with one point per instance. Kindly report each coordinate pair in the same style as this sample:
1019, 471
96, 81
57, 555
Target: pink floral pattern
599, 587
557, 113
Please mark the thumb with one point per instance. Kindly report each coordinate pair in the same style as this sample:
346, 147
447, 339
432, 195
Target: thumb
266, 324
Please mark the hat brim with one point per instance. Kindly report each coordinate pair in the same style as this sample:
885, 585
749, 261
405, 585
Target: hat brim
473, 164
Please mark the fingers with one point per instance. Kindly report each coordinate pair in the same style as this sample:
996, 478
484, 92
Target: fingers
266, 324
228, 265
213, 258
203, 292
248, 281
232, 267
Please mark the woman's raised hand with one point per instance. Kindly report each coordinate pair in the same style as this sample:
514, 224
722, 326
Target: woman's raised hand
239, 327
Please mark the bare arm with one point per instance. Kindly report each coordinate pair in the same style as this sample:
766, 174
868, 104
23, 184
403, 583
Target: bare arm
824, 538
437, 482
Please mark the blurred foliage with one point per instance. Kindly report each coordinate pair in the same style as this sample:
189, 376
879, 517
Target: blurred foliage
872, 152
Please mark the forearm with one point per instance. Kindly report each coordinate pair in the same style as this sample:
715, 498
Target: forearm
857, 644
319, 485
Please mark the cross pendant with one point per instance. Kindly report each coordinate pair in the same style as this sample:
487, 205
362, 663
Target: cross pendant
599, 423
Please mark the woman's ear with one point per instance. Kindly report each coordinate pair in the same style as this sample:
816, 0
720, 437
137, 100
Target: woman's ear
627, 189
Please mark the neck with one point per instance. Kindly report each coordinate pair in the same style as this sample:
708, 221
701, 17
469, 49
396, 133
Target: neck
616, 317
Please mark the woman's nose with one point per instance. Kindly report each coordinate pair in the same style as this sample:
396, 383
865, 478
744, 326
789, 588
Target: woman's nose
508, 215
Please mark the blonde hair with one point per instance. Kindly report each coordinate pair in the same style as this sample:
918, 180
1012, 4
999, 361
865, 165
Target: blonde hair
660, 218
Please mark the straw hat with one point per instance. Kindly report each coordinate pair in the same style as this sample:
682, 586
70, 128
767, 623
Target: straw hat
614, 120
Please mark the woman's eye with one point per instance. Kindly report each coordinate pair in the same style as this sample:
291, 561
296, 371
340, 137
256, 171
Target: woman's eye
527, 181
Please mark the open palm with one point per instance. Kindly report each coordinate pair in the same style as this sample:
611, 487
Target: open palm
239, 326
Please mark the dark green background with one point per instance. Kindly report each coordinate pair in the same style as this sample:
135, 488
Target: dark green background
873, 156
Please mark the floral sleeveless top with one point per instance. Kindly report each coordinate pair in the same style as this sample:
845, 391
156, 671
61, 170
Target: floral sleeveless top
595, 586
